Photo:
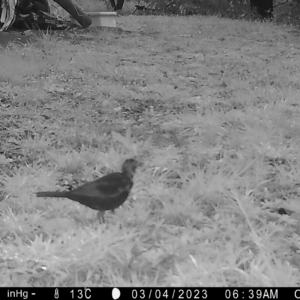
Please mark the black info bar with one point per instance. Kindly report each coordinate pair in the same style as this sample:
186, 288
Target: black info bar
150, 293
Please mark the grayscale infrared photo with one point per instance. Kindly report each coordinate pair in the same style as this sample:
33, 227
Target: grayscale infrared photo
149, 149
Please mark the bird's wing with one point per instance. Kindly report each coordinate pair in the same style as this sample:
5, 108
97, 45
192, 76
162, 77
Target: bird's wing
106, 186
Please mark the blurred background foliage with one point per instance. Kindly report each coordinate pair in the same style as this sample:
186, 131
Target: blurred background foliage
284, 11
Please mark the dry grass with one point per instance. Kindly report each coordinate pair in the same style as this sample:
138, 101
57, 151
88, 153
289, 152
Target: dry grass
212, 107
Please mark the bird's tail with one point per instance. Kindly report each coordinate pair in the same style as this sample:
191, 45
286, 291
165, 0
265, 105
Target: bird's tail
51, 194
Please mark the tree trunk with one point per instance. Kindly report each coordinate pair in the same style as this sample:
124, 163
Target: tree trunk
75, 12
119, 5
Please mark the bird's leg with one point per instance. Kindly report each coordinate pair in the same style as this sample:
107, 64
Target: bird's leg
100, 216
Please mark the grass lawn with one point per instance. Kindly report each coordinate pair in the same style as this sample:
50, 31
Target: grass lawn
211, 107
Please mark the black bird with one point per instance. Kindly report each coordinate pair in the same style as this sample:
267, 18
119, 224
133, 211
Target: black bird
105, 193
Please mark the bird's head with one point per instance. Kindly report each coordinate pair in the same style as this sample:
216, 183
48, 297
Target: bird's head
129, 167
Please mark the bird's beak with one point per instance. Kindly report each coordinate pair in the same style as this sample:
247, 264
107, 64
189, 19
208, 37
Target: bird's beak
139, 161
